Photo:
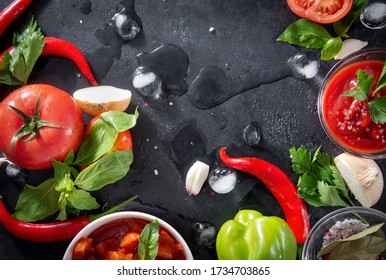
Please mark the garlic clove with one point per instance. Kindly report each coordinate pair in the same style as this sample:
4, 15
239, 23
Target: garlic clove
363, 177
196, 177
350, 46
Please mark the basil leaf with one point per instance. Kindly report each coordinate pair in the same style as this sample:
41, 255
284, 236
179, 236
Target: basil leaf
382, 78
148, 241
331, 48
120, 120
377, 108
100, 140
63, 181
342, 26
37, 203
305, 33
82, 200
107, 170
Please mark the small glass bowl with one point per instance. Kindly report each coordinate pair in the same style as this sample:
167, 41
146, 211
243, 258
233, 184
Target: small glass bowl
110, 218
314, 240
370, 54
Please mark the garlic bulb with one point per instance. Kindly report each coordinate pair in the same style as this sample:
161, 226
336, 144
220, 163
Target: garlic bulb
363, 177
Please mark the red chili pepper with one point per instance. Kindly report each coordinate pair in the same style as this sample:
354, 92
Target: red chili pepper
281, 187
62, 48
11, 12
50, 232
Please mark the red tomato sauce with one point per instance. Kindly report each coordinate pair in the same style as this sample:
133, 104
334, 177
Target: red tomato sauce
118, 240
349, 120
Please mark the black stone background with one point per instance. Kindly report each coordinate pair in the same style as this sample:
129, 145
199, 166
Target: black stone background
244, 39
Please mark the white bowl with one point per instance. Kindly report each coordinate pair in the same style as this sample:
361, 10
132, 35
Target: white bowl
87, 230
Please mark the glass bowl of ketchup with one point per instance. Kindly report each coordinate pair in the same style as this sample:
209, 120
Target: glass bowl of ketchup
117, 236
353, 122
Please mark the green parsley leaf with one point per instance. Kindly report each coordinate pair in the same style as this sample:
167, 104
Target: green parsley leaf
382, 79
148, 241
17, 66
319, 183
365, 82
377, 107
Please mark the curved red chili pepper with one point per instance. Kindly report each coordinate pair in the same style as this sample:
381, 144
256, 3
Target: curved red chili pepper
281, 187
50, 232
44, 232
11, 12
62, 48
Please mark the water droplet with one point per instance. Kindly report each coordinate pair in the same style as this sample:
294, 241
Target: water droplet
126, 27
222, 179
169, 63
146, 82
86, 7
374, 15
252, 135
204, 234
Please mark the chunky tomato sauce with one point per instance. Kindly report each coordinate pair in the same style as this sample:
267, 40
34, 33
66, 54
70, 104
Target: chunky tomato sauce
118, 240
349, 120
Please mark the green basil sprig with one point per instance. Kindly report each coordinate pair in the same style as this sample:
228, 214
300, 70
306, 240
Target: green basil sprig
69, 190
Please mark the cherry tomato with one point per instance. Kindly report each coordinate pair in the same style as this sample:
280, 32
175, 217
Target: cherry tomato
321, 11
55, 107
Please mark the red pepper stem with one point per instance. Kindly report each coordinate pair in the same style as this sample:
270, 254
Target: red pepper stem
281, 187
93, 217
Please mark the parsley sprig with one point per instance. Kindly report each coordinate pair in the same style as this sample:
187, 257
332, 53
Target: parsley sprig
16, 66
377, 105
320, 183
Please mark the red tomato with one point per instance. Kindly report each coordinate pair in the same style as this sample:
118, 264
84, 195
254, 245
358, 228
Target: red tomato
56, 107
124, 141
321, 11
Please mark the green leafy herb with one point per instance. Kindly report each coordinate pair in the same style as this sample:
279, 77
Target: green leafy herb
320, 183
16, 66
365, 245
37, 203
342, 26
308, 34
69, 190
377, 105
148, 241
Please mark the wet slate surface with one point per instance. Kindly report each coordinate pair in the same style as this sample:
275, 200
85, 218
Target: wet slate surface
171, 133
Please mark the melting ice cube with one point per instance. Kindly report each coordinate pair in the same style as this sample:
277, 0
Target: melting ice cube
222, 179
374, 15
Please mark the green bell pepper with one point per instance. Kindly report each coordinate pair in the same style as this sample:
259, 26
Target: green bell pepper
252, 236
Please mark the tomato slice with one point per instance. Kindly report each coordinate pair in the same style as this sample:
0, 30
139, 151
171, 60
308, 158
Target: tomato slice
321, 11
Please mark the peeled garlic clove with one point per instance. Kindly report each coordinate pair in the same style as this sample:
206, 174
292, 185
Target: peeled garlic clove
350, 46
363, 177
99, 99
196, 177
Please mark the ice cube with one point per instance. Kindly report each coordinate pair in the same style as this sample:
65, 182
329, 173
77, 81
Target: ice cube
374, 15
222, 179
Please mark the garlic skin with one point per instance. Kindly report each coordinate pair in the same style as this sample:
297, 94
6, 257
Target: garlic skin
350, 46
196, 177
363, 178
